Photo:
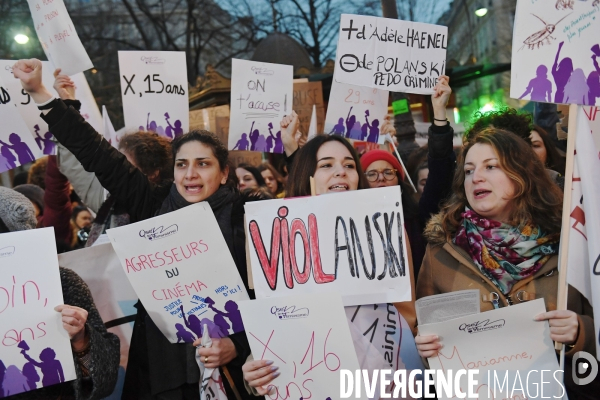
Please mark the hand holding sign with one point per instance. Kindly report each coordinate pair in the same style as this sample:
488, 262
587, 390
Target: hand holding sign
259, 373
564, 325
439, 98
220, 353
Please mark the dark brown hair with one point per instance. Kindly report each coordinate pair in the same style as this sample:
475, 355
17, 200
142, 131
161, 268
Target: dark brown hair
537, 198
268, 167
508, 119
37, 172
554, 160
151, 153
305, 165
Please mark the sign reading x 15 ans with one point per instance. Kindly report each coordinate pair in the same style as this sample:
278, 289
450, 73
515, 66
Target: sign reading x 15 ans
326, 243
390, 54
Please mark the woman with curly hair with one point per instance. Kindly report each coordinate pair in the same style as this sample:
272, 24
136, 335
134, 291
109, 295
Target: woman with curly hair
499, 234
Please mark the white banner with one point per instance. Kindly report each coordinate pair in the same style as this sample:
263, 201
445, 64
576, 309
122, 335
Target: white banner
494, 342
36, 350
17, 146
261, 94
390, 54
307, 337
352, 243
154, 88
555, 52
58, 37
584, 238
182, 271
356, 112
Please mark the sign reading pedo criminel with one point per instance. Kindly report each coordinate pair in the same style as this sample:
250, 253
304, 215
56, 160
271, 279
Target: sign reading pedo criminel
390, 54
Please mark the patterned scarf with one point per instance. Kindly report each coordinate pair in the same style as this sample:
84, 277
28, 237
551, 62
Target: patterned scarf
503, 253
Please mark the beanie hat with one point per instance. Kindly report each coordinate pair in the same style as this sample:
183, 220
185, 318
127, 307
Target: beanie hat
34, 193
381, 155
16, 211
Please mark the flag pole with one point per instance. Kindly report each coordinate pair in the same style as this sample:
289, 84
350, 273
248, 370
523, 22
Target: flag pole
563, 254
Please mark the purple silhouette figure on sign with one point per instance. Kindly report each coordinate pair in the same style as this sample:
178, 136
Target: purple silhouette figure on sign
561, 71
373, 129
192, 323
213, 330
221, 323
261, 144
44, 143
355, 132
233, 314
278, 143
31, 374
593, 82
7, 159
253, 137
242, 144
539, 86
338, 129
183, 335
51, 367
2, 372
576, 89
24, 154
173, 132
350, 121
14, 382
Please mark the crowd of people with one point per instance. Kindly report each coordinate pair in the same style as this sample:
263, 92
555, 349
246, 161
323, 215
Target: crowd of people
488, 218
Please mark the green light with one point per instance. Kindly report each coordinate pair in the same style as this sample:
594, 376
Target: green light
480, 12
21, 39
456, 115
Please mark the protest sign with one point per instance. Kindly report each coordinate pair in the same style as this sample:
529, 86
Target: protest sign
36, 350
356, 112
390, 54
493, 342
182, 271
307, 337
17, 146
555, 53
584, 238
382, 340
154, 90
261, 94
326, 243
31, 114
307, 95
58, 37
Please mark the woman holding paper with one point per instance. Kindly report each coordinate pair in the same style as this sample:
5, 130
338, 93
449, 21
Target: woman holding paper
95, 351
157, 368
334, 166
499, 233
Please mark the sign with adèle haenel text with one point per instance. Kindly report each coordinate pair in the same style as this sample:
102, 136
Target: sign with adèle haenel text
35, 349
181, 269
307, 337
58, 37
390, 54
352, 243
154, 88
261, 94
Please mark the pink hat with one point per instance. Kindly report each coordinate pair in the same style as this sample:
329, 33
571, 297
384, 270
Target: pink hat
376, 155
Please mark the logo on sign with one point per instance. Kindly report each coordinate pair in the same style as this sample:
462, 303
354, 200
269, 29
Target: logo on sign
153, 60
159, 232
7, 251
289, 312
262, 71
482, 326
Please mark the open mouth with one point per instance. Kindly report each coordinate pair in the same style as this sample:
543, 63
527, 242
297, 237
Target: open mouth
338, 188
193, 189
481, 193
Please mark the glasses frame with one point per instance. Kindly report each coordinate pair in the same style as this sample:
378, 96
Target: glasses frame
382, 173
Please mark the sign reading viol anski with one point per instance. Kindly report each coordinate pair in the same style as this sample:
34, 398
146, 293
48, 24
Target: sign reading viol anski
327, 243
390, 54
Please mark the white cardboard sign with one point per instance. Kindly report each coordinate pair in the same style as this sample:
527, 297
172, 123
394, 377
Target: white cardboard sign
352, 243
58, 37
179, 265
506, 339
17, 146
356, 112
307, 337
390, 54
556, 53
35, 350
261, 94
154, 88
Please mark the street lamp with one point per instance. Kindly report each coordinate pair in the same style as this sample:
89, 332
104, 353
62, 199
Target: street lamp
481, 10
21, 39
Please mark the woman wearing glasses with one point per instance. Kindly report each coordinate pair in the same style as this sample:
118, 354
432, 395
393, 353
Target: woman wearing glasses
383, 169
